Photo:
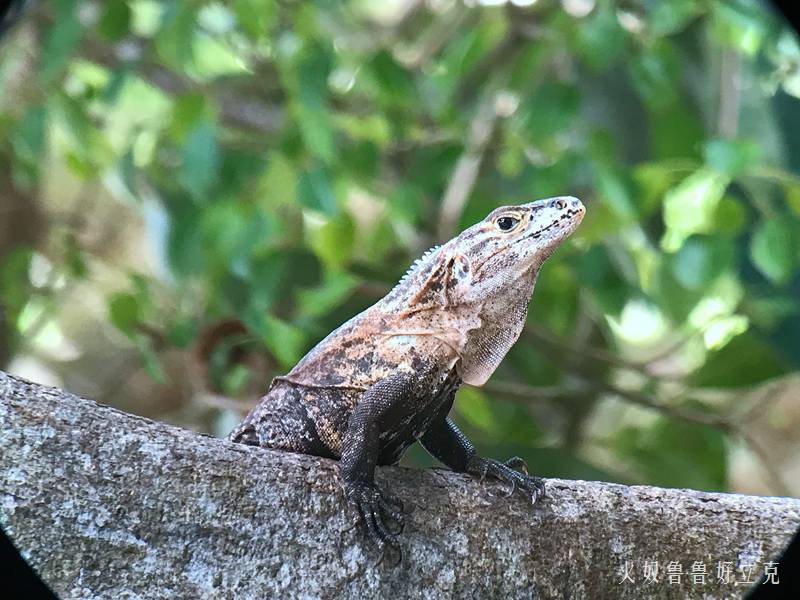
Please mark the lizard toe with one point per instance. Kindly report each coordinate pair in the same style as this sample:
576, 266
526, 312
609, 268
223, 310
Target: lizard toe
535, 487
531, 485
371, 507
517, 463
394, 509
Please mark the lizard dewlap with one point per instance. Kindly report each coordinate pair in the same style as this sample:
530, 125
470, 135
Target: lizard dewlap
387, 377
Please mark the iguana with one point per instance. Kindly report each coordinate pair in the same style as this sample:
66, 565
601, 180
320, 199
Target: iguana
387, 377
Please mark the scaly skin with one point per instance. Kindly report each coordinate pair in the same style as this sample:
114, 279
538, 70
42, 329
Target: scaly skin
387, 377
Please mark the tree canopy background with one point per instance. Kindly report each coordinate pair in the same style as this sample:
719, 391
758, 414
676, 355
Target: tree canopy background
192, 194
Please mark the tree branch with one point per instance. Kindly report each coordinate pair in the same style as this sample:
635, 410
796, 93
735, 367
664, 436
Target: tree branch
105, 505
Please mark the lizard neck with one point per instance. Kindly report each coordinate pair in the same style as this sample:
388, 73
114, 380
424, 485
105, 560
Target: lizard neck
502, 316
473, 335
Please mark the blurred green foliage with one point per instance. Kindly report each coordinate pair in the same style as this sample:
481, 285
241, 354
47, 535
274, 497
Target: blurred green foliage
290, 160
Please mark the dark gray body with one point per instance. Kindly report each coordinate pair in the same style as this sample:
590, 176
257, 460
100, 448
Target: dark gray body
287, 418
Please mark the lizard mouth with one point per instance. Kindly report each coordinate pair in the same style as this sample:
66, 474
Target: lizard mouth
566, 216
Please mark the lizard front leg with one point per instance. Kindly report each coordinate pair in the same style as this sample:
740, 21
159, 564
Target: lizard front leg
448, 444
377, 408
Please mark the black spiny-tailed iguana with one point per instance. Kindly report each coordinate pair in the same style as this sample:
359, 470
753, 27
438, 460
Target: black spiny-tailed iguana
387, 377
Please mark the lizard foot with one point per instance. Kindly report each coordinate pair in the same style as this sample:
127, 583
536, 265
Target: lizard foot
373, 507
507, 472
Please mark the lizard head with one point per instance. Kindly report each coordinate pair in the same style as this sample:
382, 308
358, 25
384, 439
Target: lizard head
472, 293
503, 251
512, 241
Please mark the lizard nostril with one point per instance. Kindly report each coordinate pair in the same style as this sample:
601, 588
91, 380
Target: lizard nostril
560, 204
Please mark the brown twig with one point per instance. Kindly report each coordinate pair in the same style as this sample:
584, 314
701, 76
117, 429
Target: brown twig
521, 391
731, 426
462, 181
729, 85
540, 334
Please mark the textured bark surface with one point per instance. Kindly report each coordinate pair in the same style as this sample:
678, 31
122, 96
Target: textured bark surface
108, 505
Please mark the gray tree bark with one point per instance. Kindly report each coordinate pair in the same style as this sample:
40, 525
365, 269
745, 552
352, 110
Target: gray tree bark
104, 504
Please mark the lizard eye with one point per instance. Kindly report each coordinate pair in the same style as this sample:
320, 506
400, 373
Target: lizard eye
507, 223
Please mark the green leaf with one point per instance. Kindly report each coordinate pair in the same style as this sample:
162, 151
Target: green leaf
676, 131
615, 191
14, 282
405, 203
61, 39
731, 157
185, 248
792, 193
721, 331
475, 408
374, 128
283, 339
234, 232
174, 41
182, 332
596, 272
125, 312
551, 109
269, 280
740, 24
146, 17
187, 111
126, 168
314, 191
653, 74
86, 149
315, 127
745, 361
360, 161
690, 206
319, 301
235, 379
29, 133
447, 72
394, 83
700, 260
772, 249
256, 17
652, 181
600, 38
278, 183
770, 311
667, 18
200, 166
74, 258
311, 94
152, 363
333, 241
115, 21
730, 217
28, 141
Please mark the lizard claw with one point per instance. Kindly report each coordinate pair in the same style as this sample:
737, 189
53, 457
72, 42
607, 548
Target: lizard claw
533, 486
372, 506
383, 556
393, 505
510, 491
